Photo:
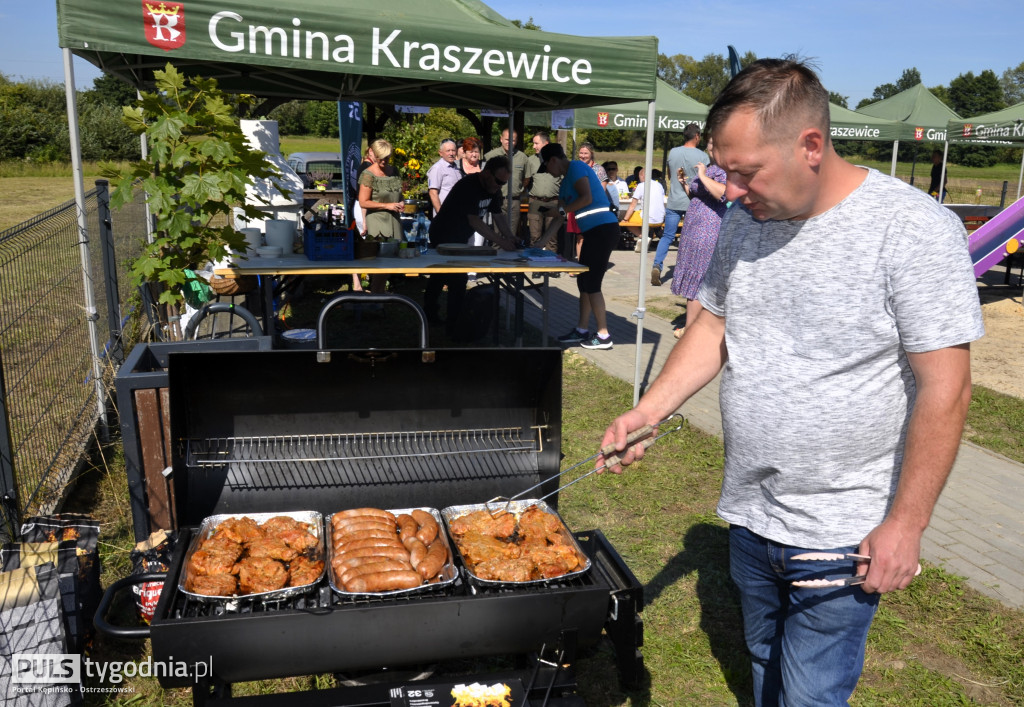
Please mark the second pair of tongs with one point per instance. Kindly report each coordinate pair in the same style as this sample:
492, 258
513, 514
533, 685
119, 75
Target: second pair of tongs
823, 583
499, 505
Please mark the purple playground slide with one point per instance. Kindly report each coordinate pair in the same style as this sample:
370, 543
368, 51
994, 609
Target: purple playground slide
997, 238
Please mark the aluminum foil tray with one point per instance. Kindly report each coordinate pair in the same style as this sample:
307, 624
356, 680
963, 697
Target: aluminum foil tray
449, 572
516, 508
209, 526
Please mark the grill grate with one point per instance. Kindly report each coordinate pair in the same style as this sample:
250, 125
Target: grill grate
275, 462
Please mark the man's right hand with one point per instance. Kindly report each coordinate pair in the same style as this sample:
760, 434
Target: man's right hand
617, 433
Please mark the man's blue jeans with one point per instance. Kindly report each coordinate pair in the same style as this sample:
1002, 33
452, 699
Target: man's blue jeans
672, 219
806, 645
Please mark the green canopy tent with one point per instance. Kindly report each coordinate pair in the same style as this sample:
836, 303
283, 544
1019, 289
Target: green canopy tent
443, 53
673, 111
847, 124
922, 114
1002, 127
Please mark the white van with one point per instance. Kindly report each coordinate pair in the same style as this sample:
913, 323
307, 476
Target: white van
306, 163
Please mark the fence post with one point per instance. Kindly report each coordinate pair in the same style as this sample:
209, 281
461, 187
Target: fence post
116, 351
9, 506
1002, 195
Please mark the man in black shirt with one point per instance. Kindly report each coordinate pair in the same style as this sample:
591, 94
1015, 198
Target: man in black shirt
461, 214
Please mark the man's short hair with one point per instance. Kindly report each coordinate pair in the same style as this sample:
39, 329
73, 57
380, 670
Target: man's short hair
690, 132
498, 162
544, 135
446, 141
610, 165
785, 95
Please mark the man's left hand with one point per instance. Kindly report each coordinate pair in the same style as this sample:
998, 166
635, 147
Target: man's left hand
895, 552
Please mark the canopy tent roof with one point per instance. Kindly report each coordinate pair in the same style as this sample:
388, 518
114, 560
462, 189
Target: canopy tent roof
996, 128
923, 115
442, 53
673, 111
847, 124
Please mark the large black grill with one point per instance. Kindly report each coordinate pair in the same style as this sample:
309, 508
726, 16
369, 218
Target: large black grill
324, 431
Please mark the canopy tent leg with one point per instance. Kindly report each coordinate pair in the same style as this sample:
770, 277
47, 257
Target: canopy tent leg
1020, 177
942, 176
644, 232
895, 149
83, 240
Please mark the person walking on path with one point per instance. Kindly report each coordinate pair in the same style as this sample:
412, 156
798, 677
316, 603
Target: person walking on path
840, 423
681, 160
583, 194
700, 233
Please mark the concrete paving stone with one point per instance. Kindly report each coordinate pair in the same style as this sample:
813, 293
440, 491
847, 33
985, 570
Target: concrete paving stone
934, 552
942, 522
970, 554
1012, 578
939, 537
982, 579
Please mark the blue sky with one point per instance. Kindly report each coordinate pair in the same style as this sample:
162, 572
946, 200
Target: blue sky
856, 46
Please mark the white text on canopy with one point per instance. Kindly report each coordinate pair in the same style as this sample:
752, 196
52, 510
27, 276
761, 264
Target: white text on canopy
391, 50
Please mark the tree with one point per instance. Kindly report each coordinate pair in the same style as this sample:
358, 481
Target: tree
529, 24
196, 174
701, 80
109, 90
910, 78
974, 95
839, 100
1013, 84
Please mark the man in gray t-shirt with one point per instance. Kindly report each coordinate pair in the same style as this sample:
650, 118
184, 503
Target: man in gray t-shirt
845, 383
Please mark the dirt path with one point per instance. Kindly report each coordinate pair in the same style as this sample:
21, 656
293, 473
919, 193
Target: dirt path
997, 360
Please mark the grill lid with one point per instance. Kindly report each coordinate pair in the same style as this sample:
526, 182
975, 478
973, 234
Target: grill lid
280, 430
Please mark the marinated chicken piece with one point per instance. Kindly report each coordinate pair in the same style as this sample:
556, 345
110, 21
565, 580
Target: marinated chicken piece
535, 524
222, 543
209, 562
271, 547
554, 560
240, 530
294, 533
215, 585
476, 548
304, 570
261, 574
505, 570
484, 523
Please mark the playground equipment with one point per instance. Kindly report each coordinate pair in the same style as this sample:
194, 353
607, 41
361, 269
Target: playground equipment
1001, 236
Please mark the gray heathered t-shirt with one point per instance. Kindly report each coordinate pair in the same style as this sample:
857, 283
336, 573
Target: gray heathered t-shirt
817, 390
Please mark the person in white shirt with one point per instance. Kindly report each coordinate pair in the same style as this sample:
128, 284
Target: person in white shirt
656, 202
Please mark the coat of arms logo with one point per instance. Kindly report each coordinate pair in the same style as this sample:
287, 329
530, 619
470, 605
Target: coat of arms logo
164, 24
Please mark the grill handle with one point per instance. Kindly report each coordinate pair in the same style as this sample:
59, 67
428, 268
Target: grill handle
363, 298
100, 619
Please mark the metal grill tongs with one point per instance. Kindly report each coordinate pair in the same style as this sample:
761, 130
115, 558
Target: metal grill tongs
823, 583
499, 505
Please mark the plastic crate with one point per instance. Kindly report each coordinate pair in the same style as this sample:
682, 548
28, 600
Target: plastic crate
326, 244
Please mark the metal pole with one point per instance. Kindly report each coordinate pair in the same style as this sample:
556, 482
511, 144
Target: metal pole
10, 508
116, 351
895, 148
89, 301
644, 232
942, 176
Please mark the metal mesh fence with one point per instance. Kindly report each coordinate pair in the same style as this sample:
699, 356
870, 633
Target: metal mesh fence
51, 399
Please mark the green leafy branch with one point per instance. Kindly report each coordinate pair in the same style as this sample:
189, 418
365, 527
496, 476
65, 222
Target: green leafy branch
194, 177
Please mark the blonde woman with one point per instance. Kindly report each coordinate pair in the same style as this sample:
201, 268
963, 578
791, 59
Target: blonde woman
380, 198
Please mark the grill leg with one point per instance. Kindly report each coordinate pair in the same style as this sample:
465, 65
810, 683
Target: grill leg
210, 690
